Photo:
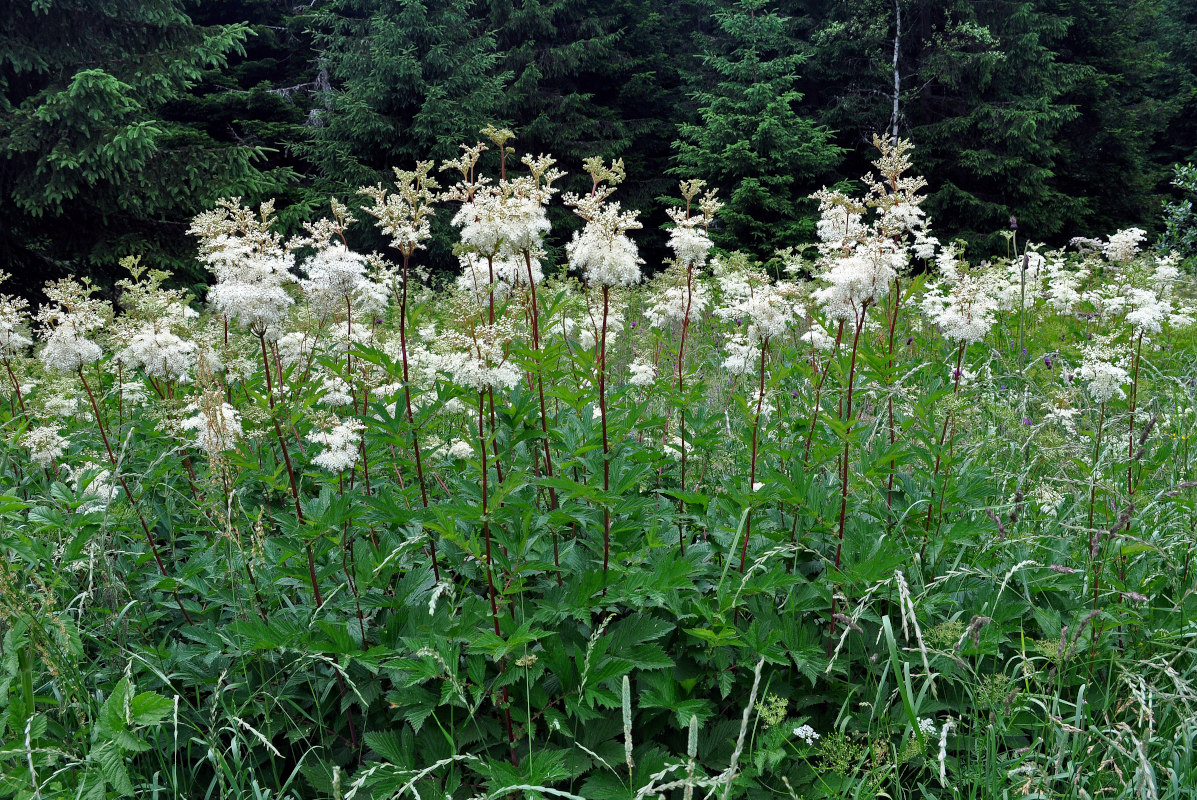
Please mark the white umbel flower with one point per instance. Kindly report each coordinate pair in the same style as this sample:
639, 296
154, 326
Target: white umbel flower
644, 374
340, 445
1105, 379
217, 426
160, 353
334, 272
67, 351
806, 733
1123, 245
461, 449
44, 445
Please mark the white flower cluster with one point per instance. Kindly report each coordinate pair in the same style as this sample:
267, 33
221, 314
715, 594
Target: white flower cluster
479, 360
334, 272
45, 445
405, 214
12, 322
159, 352
340, 445
217, 424
1105, 379
1123, 245
859, 258
767, 309
965, 312
644, 374
504, 220
66, 321
807, 734
250, 263
96, 484
602, 252
672, 303
460, 449
1063, 286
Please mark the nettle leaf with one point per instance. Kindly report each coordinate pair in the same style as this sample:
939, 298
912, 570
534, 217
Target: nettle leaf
149, 708
111, 761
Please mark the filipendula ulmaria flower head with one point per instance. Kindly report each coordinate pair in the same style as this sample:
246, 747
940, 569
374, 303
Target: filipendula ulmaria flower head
156, 323
66, 321
602, 251
857, 266
678, 293
251, 263
502, 224
45, 445
405, 212
215, 423
1103, 369
756, 308
14, 323
334, 272
963, 303
473, 352
340, 443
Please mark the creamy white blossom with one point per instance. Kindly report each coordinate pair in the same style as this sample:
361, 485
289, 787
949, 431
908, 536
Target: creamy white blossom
217, 425
160, 353
643, 374
45, 445
806, 733
340, 445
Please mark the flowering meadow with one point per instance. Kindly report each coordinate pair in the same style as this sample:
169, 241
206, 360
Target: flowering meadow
875, 519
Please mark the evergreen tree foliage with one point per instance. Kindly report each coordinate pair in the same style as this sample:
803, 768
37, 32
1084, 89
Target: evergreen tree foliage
125, 118
558, 99
980, 90
410, 80
991, 128
97, 164
749, 138
1112, 43
268, 96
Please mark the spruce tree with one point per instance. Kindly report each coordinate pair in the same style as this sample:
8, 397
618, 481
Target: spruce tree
991, 132
1107, 146
410, 80
750, 139
97, 164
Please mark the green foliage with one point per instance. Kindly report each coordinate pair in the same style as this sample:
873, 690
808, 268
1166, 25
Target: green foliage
1180, 221
750, 139
88, 134
278, 629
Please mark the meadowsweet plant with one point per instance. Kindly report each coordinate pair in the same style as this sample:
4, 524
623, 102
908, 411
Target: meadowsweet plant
681, 296
607, 260
579, 526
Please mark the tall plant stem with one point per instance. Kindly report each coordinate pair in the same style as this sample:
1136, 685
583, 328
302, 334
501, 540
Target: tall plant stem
15, 385
278, 432
814, 415
1101, 421
602, 376
681, 372
1130, 443
839, 547
544, 417
756, 427
149, 537
1134, 402
411, 418
490, 572
943, 435
889, 365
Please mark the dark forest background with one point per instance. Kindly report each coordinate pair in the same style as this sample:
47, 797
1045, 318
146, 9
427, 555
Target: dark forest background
120, 120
